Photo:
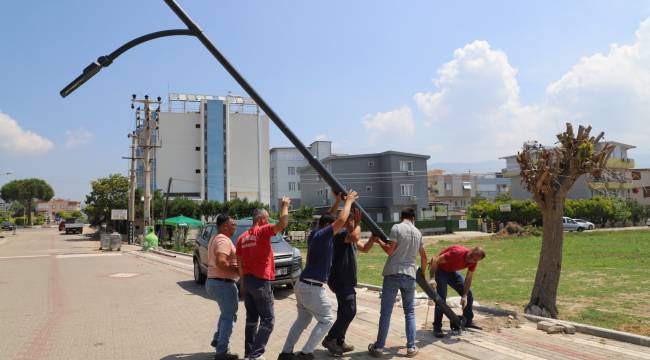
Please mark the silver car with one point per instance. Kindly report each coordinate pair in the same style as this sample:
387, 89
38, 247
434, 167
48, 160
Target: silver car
588, 225
571, 225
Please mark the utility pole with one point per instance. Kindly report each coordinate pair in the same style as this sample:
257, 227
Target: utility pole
132, 184
146, 132
164, 212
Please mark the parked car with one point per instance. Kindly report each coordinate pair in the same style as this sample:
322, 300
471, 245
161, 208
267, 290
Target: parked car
73, 227
6, 225
288, 260
571, 225
586, 224
647, 221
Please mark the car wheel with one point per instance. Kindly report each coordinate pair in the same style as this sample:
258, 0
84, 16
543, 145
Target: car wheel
199, 277
591, 227
581, 229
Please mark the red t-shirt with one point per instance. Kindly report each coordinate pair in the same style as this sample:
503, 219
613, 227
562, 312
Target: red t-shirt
254, 248
456, 259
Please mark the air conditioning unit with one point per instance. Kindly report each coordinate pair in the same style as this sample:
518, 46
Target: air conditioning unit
413, 198
410, 173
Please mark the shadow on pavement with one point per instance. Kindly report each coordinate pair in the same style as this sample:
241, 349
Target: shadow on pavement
194, 288
196, 356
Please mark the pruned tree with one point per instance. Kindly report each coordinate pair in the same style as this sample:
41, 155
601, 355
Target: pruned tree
548, 174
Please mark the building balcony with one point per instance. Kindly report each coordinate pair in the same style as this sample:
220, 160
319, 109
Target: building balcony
506, 172
618, 163
611, 185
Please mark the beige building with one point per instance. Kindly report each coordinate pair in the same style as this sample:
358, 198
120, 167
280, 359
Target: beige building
641, 186
50, 208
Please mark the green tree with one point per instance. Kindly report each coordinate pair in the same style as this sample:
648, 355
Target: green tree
301, 219
107, 193
637, 211
621, 211
25, 191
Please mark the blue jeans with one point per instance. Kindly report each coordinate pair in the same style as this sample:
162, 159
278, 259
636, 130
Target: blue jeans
311, 301
258, 299
227, 296
457, 282
406, 285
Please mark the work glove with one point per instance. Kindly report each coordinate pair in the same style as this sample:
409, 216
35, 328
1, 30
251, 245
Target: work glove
433, 283
463, 301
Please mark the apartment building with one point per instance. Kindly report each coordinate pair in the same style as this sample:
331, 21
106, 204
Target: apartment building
213, 148
386, 182
456, 191
641, 186
286, 163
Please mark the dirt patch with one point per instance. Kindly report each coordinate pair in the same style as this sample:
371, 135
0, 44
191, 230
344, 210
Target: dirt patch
496, 323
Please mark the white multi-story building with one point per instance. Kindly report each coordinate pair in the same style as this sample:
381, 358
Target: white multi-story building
285, 171
212, 147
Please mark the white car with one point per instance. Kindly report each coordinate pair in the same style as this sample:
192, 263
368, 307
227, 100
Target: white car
647, 221
571, 225
586, 224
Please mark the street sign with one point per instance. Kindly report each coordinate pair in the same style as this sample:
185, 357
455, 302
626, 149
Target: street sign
504, 207
119, 214
462, 224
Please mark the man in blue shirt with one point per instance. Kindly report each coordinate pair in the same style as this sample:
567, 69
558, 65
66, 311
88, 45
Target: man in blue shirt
343, 279
311, 299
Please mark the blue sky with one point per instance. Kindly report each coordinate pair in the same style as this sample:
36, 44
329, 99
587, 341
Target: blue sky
463, 82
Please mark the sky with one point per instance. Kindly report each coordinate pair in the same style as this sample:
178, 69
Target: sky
463, 82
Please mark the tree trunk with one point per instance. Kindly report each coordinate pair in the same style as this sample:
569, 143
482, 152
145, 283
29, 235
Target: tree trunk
544, 294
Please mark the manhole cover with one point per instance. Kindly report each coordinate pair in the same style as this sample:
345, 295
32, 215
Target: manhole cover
123, 275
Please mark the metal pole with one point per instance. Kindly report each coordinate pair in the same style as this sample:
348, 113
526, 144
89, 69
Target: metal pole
164, 212
147, 166
315, 163
132, 186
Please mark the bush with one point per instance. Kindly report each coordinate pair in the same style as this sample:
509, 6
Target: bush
20, 221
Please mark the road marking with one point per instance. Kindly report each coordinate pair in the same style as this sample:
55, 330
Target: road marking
123, 275
67, 256
22, 257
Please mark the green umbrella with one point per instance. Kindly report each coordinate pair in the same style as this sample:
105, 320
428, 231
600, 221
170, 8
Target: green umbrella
183, 221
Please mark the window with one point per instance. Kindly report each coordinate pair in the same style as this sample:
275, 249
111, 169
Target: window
448, 187
298, 184
406, 189
292, 170
368, 188
272, 172
405, 165
292, 186
371, 163
198, 148
198, 126
198, 171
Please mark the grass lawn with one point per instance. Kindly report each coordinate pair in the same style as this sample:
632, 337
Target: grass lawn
605, 276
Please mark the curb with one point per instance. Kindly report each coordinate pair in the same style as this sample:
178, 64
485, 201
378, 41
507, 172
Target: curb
598, 331
581, 328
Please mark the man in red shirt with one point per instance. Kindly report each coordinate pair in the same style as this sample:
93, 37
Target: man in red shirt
444, 269
257, 270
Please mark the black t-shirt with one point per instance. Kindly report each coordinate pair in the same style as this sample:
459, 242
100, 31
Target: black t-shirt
344, 262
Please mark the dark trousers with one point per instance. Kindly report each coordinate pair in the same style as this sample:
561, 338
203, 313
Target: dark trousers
258, 300
346, 297
456, 281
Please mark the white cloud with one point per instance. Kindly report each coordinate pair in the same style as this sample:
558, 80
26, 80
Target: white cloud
609, 91
16, 140
475, 112
389, 124
78, 137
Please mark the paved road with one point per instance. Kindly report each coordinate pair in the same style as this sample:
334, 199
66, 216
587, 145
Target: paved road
61, 298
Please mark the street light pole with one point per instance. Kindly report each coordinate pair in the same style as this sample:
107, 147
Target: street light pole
194, 30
